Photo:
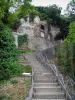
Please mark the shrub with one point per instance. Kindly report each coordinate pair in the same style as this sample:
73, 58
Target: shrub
66, 56
13, 81
22, 39
28, 69
8, 52
70, 47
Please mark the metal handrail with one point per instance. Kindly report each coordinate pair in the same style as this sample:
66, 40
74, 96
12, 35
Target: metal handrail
70, 87
62, 83
61, 80
58, 75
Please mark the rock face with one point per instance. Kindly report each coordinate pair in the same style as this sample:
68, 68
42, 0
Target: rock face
37, 27
25, 28
35, 43
54, 31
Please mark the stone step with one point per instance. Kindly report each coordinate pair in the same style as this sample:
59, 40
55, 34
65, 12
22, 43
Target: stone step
47, 89
41, 70
21, 61
38, 73
21, 57
45, 80
45, 84
38, 70
48, 99
25, 64
53, 95
44, 75
44, 70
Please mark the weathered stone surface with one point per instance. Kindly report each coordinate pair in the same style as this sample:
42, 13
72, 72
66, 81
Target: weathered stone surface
37, 37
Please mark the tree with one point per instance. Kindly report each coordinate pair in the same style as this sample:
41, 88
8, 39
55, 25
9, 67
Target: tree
4, 5
20, 7
71, 10
52, 14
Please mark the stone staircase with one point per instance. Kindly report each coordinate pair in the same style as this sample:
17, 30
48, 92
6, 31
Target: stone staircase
22, 60
46, 87
45, 83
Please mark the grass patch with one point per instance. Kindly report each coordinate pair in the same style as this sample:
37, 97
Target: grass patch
26, 51
28, 69
28, 84
3, 82
15, 89
3, 97
18, 69
13, 81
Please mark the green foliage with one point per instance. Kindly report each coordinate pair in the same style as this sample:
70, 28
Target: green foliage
4, 10
70, 45
67, 55
4, 70
28, 69
26, 51
21, 9
70, 40
4, 6
52, 14
8, 52
60, 56
3, 97
28, 84
13, 19
22, 39
7, 45
25, 9
71, 10
15, 68
13, 81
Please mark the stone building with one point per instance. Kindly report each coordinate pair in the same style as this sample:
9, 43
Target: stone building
41, 29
